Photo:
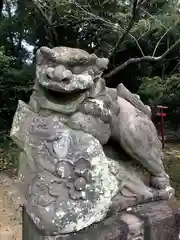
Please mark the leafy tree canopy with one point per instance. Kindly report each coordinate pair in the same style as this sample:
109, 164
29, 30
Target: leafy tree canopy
140, 37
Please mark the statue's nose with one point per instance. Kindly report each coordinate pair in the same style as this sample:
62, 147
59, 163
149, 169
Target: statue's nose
62, 74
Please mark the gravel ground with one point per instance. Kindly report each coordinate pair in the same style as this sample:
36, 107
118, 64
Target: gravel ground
10, 210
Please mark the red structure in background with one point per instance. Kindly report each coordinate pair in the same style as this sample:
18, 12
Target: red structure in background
161, 114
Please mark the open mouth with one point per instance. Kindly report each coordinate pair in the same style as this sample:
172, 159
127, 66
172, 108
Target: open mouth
65, 96
66, 83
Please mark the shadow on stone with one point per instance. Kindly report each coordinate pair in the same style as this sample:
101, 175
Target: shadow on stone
151, 221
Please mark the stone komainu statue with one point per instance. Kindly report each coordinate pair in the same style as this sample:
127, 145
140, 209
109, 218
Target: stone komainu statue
73, 135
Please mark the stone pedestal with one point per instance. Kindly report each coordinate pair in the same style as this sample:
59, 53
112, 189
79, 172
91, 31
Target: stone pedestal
151, 221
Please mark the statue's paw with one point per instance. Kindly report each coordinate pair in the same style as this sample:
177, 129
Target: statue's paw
163, 184
160, 182
170, 191
167, 193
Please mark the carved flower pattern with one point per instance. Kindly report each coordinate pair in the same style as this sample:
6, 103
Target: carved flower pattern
74, 178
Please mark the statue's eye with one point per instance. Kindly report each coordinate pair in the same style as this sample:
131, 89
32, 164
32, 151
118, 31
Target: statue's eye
96, 70
77, 70
91, 72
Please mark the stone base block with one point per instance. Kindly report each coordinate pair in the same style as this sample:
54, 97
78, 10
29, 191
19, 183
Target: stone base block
151, 221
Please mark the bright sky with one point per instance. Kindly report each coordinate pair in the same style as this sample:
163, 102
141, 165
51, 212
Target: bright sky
29, 48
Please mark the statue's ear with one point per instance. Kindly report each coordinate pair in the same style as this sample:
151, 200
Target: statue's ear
102, 63
94, 57
39, 57
47, 52
44, 52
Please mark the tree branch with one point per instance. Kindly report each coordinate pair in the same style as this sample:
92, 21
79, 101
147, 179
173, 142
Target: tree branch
130, 25
136, 41
169, 50
110, 24
154, 18
168, 30
46, 14
142, 59
135, 9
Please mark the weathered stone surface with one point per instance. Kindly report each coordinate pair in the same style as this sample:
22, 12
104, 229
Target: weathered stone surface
67, 178
151, 221
137, 134
68, 181
60, 197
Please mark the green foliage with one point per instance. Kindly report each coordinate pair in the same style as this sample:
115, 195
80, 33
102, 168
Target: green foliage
14, 84
166, 91
158, 91
9, 155
152, 90
92, 25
